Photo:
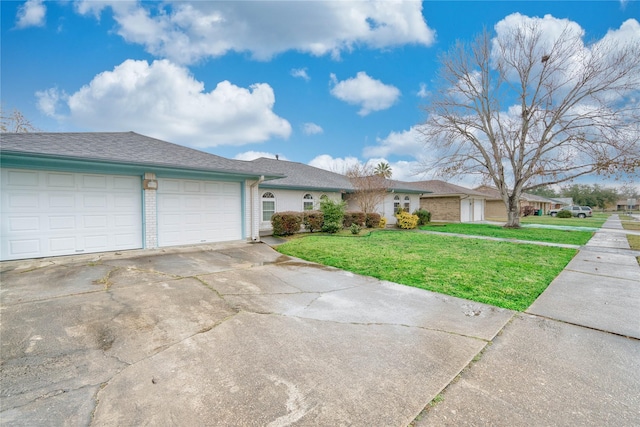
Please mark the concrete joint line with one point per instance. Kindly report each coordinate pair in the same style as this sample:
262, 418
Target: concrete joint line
598, 275
582, 326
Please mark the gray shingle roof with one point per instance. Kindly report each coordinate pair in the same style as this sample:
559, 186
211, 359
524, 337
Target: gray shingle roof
439, 188
299, 175
122, 147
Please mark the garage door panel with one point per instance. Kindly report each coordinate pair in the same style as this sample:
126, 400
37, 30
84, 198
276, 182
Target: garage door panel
98, 201
62, 245
91, 182
62, 223
61, 180
96, 242
22, 179
50, 213
21, 223
25, 248
64, 201
191, 212
95, 221
23, 201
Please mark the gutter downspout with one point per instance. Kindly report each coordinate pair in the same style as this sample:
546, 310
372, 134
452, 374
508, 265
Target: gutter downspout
255, 234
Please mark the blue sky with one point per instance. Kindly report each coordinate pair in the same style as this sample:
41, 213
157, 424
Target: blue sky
324, 83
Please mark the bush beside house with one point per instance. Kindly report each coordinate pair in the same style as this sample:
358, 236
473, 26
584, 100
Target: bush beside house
332, 220
424, 216
407, 221
286, 223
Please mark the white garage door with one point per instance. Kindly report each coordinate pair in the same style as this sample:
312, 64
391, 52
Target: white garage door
191, 212
46, 213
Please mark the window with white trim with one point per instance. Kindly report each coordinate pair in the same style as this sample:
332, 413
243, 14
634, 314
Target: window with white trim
268, 206
307, 202
407, 203
396, 204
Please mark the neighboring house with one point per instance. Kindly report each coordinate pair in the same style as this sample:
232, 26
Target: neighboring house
400, 195
628, 205
495, 207
451, 203
303, 186
72, 193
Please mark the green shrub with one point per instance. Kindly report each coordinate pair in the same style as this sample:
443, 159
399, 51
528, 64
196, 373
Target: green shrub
333, 215
353, 217
564, 214
424, 216
355, 229
286, 223
331, 227
313, 220
406, 220
373, 220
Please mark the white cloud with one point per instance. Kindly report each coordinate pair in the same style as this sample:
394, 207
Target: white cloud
409, 142
311, 129
164, 100
337, 165
423, 92
186, 32
401, 170
370, 94
300, 73
252, 155
49, 101
31, 14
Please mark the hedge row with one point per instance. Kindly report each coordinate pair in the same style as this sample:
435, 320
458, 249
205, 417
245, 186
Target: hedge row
288, 223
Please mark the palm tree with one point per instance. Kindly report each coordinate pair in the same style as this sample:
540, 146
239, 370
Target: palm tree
383, 169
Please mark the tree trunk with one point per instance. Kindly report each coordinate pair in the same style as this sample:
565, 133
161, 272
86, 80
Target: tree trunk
513, 213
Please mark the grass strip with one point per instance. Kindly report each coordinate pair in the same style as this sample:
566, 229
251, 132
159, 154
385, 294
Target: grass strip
571, 237
503, 274
595, 221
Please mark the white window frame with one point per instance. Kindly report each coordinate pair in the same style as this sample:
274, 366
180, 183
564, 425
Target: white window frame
396, 204
267, 197
307, 202
407, 204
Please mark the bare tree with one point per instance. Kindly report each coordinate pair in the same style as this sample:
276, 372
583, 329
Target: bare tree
527, 108
16, 122
370, 188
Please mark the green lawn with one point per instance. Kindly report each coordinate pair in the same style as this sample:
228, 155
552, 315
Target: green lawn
570, 237
503, 274
630, 223
595, 221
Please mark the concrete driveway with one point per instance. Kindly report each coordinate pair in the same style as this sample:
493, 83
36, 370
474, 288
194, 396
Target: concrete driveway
232, 334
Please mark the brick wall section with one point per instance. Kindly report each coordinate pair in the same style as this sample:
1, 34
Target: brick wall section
150, 215
495, 209
442, 208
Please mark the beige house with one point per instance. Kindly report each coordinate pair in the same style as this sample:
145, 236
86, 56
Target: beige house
495, 208
451, 203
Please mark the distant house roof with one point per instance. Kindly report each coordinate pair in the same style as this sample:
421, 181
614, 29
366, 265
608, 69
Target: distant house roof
442, 188
123, 148
405, 187
301, 176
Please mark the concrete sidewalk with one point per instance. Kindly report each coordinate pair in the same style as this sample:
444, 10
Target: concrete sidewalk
573, 358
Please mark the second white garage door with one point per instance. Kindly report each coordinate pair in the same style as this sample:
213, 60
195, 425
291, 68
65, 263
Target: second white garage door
191, 212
